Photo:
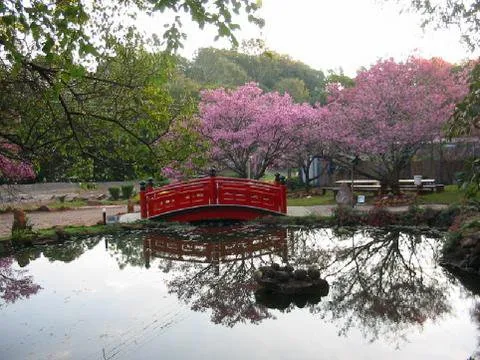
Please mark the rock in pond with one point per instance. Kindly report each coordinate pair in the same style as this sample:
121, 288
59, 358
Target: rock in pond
282, 282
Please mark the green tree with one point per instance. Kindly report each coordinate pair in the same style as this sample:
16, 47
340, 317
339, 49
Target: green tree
230, 68
121, 116
213, 69
294, 87
71, 89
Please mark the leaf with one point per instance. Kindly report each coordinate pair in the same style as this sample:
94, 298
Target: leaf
77, 71
48, 45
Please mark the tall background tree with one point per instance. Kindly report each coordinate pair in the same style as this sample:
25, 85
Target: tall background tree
391, 111
249, 128
66, 89
465, 16
212, 68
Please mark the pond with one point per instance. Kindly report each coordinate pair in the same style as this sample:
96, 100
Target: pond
187, 293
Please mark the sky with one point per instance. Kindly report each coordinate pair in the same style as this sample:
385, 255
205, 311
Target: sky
334, 34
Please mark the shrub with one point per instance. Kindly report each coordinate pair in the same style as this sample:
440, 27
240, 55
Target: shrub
446, 217
88, 186
346, 216
451, 243
294, 183
127, 191
21, 238
161, 181
114, 192
380, 217
413, 216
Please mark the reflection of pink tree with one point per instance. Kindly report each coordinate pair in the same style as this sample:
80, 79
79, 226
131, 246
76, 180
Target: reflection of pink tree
15, 284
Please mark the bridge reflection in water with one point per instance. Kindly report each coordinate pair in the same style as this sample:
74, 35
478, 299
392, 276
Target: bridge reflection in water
217, 251
216, 274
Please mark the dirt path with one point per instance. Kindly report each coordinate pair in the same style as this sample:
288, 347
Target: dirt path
48, 219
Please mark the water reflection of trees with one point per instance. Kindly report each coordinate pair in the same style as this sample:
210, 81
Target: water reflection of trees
216, 275
385, 282
15, 284
382, 281
64, 252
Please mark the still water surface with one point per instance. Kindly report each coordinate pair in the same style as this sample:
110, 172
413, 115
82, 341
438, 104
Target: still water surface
187, 293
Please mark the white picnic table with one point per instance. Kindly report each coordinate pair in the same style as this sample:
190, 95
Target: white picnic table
405, 184
412, 181
360, 182
376, 182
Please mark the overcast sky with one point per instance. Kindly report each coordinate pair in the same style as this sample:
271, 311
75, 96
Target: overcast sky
333, 34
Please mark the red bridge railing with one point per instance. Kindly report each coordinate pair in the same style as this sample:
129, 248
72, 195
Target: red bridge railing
251, 198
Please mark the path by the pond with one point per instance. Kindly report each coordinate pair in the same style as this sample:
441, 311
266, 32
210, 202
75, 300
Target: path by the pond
91, 215
88, 215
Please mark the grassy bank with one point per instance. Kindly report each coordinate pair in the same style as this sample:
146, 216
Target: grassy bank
451, 195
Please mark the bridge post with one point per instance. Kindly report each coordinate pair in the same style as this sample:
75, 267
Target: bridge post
149, 185
283, 194
143, 201
283, 186
213, 186
280, 182
277, 179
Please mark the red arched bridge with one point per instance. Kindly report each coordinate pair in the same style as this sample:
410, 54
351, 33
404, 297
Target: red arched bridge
213, 198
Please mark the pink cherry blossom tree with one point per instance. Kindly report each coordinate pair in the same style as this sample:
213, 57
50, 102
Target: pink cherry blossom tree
249, 128
310, 141
393, 109
12, 167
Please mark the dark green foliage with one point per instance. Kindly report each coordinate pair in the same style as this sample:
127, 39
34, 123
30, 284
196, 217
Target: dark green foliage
99, 109
451, 243
469, 178
273, 72
114, 192
445, 218
127, 191
346, 216
427, 216
294, 183
380, 217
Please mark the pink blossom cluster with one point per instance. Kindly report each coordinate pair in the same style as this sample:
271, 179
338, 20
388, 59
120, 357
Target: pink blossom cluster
391, 110
12, 169
394, 106
172, 174
250, 128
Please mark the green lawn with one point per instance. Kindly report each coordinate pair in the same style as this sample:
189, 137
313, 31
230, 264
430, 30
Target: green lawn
451, 195
326, 199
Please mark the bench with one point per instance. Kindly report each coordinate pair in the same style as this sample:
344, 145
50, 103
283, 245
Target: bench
374, 186
427, 185
363, 185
